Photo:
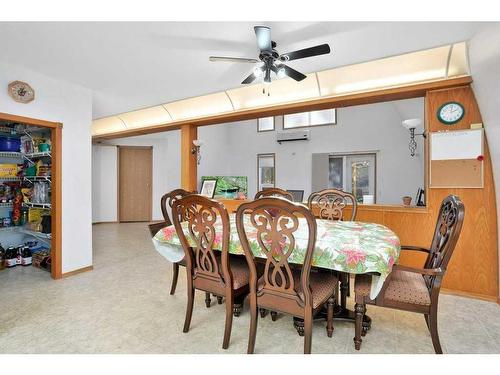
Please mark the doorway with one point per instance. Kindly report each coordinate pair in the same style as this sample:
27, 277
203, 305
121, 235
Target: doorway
135, 181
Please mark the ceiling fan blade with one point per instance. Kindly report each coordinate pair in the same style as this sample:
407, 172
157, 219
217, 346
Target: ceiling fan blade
263, 34
232, 59
322, 49
292, 73
249, 79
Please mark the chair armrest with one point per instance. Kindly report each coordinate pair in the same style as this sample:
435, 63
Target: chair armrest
422, 271
415, 248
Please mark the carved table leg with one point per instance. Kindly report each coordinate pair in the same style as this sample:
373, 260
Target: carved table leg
344, 285
219, 300
274, 315
238, 305
263, 312
207, 299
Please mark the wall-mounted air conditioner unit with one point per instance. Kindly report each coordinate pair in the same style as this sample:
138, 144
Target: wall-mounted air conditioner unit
288, 136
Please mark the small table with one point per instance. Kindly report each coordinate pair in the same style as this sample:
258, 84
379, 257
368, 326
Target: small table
351, 247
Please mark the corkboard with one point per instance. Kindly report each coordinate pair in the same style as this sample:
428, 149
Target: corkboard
457, 173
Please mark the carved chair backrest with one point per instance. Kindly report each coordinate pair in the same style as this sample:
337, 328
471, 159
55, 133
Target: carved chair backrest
169, 199
274, 192
448, 228
208, 229
272, 223
331, 203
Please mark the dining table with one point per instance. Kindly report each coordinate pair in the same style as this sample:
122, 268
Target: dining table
350, 247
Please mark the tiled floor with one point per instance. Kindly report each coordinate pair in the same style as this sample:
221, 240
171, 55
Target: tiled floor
123, 306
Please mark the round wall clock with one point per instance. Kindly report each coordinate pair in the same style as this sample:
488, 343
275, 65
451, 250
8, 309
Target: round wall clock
450, 113
21, 92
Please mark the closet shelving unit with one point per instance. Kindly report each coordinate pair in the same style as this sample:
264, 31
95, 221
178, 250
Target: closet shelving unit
11, 234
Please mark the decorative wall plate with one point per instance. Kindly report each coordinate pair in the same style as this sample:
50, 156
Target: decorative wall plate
21, 92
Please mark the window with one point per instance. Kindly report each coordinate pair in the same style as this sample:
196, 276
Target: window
265, 171
353, 173
313, 118
265, 124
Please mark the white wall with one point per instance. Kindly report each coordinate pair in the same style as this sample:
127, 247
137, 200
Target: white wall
374, 127
104, 183
72, 105
166, 172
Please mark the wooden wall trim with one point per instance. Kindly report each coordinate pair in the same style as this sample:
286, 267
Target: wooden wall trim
375, 96
56, 219
76, 272
30, 121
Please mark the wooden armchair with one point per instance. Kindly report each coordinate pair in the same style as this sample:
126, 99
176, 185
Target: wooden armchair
274, 192
282, 288
417, 289
329, 204
208, 269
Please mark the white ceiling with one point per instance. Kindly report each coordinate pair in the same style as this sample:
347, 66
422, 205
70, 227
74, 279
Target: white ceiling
131, 65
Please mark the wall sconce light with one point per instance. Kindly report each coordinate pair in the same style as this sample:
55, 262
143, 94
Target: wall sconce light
196, 149
411, 125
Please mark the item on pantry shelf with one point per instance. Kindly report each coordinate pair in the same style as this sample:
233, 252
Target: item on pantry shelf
18, 255
11, 257
41, 259
24, 215
27, 192
46, 224
2, 257
10, 144
8, 170
26, 145
30, 171
7, 222
35, 214
43, 147
26, 256
41, 193
16, 208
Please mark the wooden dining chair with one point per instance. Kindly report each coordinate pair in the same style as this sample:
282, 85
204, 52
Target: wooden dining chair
283, 288
330, 204
274, 192
209, 267
416, 289
167, 200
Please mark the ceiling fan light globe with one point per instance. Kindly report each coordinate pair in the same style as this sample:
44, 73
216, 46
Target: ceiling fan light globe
281, 73
257, 71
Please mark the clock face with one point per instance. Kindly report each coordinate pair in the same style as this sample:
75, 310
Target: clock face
21, 92
450, 113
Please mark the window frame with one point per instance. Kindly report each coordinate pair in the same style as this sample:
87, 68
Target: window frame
267, 154
311, 126
265, 131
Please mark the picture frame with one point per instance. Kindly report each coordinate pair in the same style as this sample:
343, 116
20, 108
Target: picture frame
208, 188
420, 198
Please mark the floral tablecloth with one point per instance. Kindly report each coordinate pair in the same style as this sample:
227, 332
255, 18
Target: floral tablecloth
348, 246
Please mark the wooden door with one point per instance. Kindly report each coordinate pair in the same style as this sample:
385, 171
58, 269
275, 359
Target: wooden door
135, 165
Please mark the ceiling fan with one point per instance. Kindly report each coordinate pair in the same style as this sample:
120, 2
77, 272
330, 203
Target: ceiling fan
271, 61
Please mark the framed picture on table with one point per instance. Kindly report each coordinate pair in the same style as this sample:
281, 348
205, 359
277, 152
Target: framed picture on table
208, 188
